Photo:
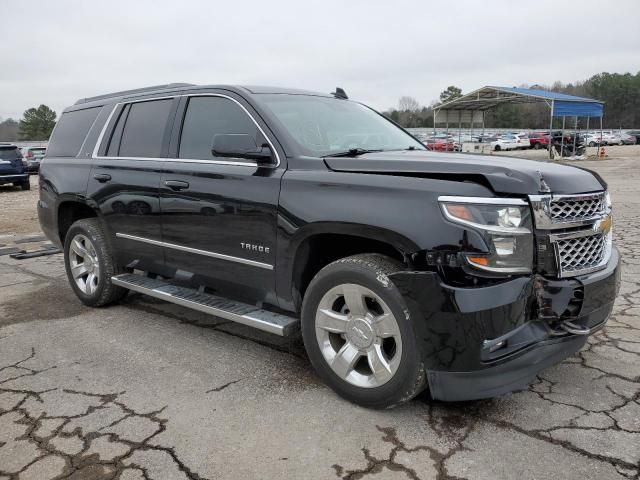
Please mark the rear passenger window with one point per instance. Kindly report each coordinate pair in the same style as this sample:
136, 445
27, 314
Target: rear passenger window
207, 117
144, 129
70, 132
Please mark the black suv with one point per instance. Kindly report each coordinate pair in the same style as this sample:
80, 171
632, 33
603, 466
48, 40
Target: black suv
285, 209
12, 167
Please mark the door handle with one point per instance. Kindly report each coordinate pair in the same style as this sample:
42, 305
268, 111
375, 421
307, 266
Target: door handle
176, 184
102, 177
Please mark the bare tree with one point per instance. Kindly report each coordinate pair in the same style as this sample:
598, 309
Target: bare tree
408, 104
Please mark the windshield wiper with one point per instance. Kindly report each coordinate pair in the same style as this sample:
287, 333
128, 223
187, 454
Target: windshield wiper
352, 152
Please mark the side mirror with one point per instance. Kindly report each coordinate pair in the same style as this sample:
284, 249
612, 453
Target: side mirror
239, 145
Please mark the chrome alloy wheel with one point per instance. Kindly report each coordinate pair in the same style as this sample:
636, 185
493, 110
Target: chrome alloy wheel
83, 261
358, 335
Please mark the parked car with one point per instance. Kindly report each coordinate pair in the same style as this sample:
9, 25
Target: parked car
538, 140
635, 133
510, 142
13, 168
33, 156
439, 144
627, 139
593, 139
405, 269
609, 138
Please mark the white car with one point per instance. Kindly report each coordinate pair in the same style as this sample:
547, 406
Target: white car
608, 138
510, 142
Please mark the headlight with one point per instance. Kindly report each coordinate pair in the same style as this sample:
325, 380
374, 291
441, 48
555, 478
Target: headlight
506, 226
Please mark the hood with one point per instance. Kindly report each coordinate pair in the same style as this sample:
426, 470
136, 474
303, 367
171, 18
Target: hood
507, 175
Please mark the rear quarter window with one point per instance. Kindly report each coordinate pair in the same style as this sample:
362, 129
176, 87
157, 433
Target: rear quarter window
70, 132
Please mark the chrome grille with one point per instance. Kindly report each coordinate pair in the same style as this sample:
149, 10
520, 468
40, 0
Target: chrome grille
567, 209
581, 253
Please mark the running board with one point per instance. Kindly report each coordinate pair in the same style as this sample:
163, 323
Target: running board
220, 307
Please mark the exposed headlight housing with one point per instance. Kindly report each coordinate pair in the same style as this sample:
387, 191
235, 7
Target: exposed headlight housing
506, 226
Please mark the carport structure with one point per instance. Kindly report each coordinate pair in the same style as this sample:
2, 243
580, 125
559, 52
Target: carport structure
470, 108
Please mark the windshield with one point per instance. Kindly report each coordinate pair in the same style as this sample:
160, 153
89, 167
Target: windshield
326, 126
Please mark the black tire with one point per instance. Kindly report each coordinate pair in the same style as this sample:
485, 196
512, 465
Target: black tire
537, 146
25, 185
105, 292
497, 148
370, 271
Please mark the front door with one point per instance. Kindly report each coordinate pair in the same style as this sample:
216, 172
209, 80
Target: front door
125, 179
219, 214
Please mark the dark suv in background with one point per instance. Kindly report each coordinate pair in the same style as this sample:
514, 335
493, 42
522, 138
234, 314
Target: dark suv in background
12, 167
284, 209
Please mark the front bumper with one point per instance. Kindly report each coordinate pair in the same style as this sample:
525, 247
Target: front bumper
13, 178
482, 342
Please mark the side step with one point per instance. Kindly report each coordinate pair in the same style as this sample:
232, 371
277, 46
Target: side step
220, 307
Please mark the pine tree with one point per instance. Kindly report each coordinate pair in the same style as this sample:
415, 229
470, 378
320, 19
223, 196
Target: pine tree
37, 123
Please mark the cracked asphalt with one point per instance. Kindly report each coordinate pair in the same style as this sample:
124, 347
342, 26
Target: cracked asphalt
149, 390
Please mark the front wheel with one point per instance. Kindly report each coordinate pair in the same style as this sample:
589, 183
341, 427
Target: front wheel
90, 264
358, 334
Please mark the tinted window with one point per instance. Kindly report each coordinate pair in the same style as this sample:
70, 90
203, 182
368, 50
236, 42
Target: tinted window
9, 153
70, 132
209, 116
144, 129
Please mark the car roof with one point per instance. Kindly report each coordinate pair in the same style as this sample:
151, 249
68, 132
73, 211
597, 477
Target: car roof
173, 88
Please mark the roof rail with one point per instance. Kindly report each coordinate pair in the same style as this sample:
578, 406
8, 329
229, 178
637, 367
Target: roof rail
136, 90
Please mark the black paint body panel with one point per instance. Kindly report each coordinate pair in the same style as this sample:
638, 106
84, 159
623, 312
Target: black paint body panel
389, 197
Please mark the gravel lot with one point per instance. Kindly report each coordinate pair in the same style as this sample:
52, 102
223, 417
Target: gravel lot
151, 390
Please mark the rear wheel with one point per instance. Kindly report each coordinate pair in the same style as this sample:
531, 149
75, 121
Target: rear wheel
358, 335
90, 264
497, 148
537, 146
24, 185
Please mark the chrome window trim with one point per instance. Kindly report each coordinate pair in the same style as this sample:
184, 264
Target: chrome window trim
238, 162
206, 253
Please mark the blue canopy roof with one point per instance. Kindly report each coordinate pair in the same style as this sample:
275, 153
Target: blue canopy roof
562, 104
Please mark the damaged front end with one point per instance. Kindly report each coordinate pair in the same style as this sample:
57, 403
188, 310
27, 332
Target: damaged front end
485, 334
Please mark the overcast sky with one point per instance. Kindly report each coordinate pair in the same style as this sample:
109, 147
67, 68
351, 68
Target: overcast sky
56, 51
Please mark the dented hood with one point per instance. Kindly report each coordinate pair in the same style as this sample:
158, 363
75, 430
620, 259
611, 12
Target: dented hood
507, 175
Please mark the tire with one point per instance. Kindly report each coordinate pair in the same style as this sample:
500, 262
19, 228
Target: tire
592, 144
362, 276
497, 148
99, 261
537, 146
24, 185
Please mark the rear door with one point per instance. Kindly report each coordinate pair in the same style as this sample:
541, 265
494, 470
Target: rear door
219, 214
124, 181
